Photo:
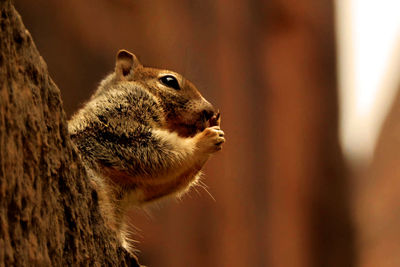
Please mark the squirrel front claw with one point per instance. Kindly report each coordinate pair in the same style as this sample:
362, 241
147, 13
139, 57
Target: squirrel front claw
211, 139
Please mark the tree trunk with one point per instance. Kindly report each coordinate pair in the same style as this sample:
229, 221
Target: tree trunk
48, 211
377, 205
308, 215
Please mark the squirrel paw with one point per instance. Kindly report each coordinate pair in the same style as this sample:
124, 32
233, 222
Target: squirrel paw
211, 139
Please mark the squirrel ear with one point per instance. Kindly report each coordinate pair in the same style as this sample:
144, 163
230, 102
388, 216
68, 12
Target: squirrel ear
126, 63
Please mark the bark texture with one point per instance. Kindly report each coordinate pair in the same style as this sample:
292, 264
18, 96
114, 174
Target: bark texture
48, 212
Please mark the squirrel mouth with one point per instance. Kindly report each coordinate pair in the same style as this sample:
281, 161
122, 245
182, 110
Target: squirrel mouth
191, 129
206, 122
215, 120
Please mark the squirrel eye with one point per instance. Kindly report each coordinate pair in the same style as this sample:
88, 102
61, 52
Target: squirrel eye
170, 81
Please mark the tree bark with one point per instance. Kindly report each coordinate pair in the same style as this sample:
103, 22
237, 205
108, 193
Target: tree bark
48, 211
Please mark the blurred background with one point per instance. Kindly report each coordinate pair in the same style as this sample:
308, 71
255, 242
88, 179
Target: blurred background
309, 175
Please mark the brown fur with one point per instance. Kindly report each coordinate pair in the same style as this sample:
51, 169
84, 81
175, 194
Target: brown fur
142, 137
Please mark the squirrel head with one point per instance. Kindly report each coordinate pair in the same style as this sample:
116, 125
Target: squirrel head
186, 111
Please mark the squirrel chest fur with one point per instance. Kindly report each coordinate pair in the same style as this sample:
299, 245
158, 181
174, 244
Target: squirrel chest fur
144, 134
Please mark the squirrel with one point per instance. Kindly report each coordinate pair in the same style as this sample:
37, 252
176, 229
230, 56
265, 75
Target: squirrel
143, 135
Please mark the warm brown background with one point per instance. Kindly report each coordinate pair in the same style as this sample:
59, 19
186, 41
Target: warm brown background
280, 183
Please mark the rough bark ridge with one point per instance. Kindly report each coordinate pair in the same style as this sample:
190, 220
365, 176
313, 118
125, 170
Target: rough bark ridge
48, 212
